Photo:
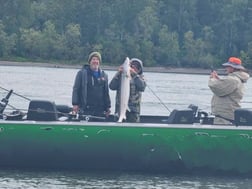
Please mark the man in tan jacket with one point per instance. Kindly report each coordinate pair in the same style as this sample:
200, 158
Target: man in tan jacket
227, 91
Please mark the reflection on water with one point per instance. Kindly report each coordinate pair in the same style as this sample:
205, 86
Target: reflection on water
105, 180
164, 90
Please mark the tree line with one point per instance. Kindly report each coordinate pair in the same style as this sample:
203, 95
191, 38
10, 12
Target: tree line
172, 33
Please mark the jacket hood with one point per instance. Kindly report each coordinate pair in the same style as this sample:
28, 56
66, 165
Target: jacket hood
242, 75
87, 67
140, 63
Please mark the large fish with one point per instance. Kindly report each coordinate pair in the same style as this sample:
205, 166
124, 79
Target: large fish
125, 89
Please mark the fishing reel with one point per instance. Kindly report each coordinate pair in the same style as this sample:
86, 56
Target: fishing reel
201, 116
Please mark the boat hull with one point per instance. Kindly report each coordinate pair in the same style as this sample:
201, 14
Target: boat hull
99, 146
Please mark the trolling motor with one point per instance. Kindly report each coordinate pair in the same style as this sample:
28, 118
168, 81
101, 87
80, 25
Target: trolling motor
4, 103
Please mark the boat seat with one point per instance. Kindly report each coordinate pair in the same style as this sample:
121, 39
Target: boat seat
243, 116
63, 110
181, 116
42, 110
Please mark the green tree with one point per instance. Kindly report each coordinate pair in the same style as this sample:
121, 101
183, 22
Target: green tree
201, 33
148, 23
7, 43
147, 49
30, 41
167, 51
49, 38
72, 38
15, 15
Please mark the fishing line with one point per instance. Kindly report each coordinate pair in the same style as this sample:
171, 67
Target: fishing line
17, 94
159, 99
12, 107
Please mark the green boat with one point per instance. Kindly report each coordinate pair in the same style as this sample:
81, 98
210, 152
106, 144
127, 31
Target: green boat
47, 136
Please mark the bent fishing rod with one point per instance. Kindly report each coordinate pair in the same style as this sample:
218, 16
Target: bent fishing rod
159, 99
17, 94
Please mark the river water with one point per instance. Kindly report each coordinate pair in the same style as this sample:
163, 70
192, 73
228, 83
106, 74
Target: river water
165, 92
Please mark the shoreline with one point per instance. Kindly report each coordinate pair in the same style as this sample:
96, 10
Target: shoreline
104, 67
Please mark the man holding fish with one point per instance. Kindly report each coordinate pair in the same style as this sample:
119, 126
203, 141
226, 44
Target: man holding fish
129, 84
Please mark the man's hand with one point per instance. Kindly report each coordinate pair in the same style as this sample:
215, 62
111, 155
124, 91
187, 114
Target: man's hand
214, 74
120, 69
107, 113
75, 109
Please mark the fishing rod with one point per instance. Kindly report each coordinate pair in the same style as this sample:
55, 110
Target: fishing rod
4, 101
247, 102
159, 99
17, 94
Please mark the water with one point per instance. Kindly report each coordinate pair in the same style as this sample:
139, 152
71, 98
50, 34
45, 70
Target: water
164, 93
64, 180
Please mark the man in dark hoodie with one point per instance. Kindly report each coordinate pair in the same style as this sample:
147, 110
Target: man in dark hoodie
90, 91
137, 86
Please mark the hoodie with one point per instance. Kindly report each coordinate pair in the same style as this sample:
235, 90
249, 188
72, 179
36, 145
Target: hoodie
228, 92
